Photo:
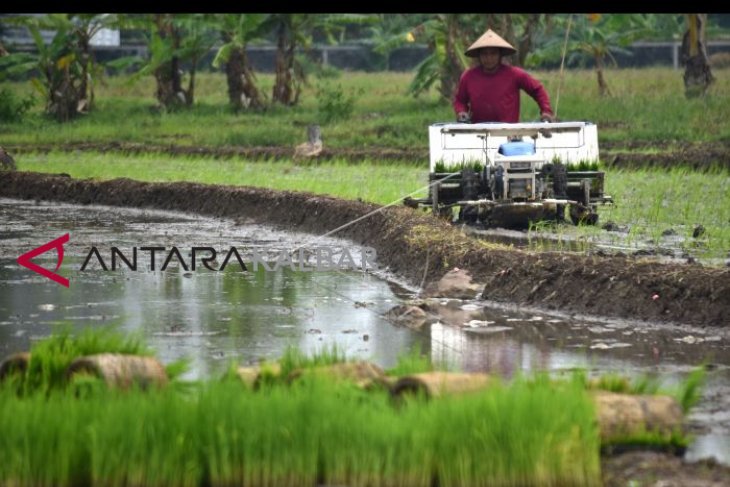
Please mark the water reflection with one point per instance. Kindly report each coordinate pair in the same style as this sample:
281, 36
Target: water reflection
207, 316
213, 318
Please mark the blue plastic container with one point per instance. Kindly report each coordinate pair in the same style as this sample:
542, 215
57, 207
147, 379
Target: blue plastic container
517, 149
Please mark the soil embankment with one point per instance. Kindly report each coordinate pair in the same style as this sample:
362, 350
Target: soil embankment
416, 245
634, 155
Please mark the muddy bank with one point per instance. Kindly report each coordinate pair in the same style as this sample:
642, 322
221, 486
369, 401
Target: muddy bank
699, 156
661, 469
421, 248
254, 153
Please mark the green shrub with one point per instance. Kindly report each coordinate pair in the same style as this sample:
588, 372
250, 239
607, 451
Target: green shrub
13, 107
334, 104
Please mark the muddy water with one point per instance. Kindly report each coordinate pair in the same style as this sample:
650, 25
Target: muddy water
210, 317
215, 317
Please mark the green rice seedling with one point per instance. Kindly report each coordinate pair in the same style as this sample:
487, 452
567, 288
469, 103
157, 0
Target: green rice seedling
413, 362
442, 167
650, 201
314, 431
293, 358
690, 390
51, 357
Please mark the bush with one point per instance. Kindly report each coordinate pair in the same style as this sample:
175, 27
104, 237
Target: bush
720, 60
317, 69
334, 104
12, 107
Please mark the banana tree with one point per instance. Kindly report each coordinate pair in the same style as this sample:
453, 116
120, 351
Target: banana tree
174, 42
447, 36
237, 30
290, 31
65, 68
697, 73
601, 36
296, 30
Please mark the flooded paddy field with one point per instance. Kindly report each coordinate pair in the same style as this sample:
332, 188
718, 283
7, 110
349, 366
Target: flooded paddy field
215, 317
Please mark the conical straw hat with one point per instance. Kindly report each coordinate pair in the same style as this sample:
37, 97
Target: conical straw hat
490, 39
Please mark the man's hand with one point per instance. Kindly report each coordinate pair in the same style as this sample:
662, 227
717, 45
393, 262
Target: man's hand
463, 117
547, 117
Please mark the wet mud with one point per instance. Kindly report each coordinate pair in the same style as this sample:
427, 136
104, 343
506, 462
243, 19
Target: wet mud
663, 154
645, 468
421, 248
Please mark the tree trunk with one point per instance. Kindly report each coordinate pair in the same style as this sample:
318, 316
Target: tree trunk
283, 92
169, 93
234, 77
452, 68
190, 95
697, 74
525, 44
86, 90
509, 32
603, 89
64, 96
242, 91
502, 25
169, 84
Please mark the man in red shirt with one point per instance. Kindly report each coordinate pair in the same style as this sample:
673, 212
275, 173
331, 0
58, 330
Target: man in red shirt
490, 92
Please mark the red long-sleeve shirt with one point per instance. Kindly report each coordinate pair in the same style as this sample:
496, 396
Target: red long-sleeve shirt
495, 97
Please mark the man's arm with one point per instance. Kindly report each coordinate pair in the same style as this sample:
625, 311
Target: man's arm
538, 93
461, 101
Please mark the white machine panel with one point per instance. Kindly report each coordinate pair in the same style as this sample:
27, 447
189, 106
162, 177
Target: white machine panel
456, 143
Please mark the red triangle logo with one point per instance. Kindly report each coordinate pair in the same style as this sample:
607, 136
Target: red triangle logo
25, 259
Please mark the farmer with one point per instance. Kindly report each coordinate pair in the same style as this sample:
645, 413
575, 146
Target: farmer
490, 92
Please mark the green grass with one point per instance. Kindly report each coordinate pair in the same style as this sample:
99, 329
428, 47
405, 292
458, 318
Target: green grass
647, 105
376, 183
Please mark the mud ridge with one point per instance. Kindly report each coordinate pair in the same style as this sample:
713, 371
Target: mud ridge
254, 153
696, 156
413, 244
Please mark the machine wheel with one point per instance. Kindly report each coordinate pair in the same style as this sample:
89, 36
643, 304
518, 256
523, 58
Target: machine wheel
560, 188
410, 202
468, 214
585, 186
446, 213
560, 180
469, 184
583, 214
